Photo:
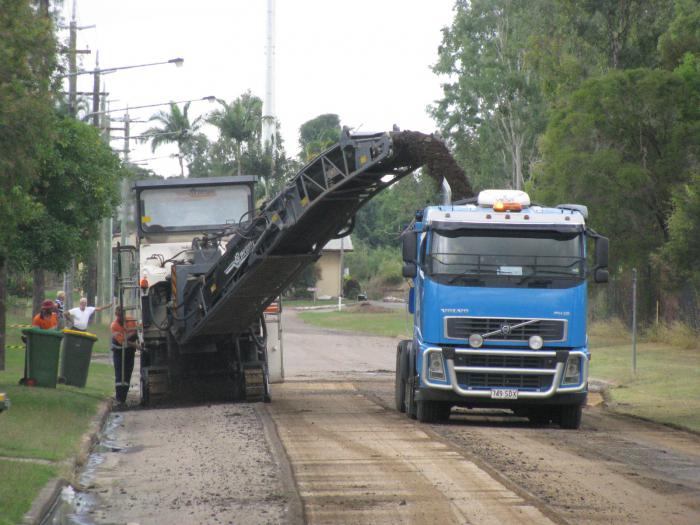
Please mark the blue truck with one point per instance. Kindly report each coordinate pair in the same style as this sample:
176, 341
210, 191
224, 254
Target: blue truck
499, 302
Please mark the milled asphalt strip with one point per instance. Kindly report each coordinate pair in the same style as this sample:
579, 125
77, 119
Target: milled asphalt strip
295, 510
356, 462
491, 470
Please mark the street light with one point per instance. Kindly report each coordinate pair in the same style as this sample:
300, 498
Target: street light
102, 71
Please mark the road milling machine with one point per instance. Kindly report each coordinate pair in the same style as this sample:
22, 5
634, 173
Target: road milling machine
206, 264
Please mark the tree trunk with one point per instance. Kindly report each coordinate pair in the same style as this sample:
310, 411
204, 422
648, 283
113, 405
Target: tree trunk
39, 290
3, 310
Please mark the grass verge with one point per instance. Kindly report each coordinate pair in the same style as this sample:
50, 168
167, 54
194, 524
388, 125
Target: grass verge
294, 303
666, 388
19, 484
389, 324
42, 423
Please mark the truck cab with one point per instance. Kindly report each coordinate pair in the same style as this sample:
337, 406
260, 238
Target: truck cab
183, 226
499, 302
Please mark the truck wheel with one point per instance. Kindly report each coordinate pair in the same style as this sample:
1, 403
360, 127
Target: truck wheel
400, 379
539, 417
570, 416
410, 402
432, 411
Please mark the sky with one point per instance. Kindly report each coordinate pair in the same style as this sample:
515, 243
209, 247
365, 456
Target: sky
366, 60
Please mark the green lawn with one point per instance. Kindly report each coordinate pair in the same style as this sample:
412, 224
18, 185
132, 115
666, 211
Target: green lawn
42, 423
19, 485
293, 303
390, 324
665, 389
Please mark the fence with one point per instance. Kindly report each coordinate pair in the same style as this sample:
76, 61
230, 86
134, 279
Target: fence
656, 301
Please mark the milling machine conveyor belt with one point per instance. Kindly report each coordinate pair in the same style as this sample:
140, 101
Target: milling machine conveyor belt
319, 204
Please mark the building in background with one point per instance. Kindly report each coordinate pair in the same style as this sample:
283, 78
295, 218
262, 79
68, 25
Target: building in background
328, 283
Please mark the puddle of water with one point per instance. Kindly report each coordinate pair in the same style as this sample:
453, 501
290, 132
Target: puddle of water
75, 507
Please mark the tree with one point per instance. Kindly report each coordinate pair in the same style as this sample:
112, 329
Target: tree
175, 128
317, 135
273, 167
76, 188
239, 123
624, 33
490, 97
27, 60
682, 249
683, 34
380, 222
621, 144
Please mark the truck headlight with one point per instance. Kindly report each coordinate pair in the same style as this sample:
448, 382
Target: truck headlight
572, 374
475, 341
436, 368
536, 342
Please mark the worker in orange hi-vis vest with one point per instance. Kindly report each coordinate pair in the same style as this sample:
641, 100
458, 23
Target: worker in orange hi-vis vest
47, 318
123, 364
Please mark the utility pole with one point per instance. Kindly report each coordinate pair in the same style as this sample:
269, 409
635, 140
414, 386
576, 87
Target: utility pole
69, 276
104, 252
125, 186
96, 92
91, 261
72, 64
634, 321
340, 283
269, 127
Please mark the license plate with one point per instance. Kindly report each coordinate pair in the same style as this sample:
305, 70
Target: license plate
504, 393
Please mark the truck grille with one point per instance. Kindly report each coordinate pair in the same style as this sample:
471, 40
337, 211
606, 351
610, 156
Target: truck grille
528, 381
505, 361
462, 327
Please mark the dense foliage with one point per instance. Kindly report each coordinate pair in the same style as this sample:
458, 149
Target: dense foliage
587, 101
58, 178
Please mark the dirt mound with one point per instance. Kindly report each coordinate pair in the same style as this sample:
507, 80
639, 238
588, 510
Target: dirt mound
367, 308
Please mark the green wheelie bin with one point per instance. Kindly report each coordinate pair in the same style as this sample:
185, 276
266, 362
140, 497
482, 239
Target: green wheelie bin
41, 357
75, 359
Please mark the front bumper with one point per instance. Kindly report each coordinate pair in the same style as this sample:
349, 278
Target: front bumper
553, 389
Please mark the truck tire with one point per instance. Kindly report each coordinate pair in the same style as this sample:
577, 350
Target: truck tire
432, 411
570, 416
539, 416
400, 378
410, 401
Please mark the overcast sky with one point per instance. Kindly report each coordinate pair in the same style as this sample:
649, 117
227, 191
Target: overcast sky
366, 60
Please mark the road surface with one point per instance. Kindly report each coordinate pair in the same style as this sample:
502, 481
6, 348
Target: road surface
331, 449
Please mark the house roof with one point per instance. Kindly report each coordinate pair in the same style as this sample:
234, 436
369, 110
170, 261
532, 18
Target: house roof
334, 245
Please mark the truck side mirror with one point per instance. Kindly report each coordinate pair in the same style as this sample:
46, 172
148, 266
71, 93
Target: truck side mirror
601, 275
601, 252
409, 247
409, 270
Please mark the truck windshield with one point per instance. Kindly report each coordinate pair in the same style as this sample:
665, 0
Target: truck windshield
506, 258
192, 208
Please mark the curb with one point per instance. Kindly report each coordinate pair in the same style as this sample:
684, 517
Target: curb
47, 497
44, 502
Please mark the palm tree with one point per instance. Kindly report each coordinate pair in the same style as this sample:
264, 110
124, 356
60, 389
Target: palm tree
238, 122
175, 128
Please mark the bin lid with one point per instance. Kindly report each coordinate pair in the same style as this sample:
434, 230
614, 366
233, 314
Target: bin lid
41, 331
80, 333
